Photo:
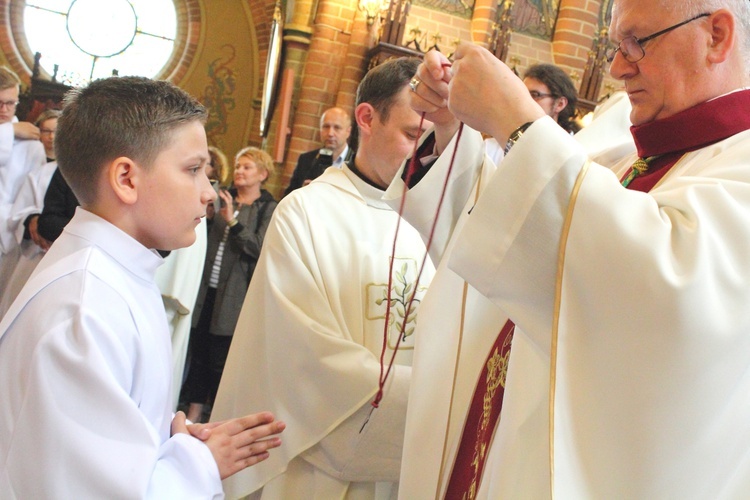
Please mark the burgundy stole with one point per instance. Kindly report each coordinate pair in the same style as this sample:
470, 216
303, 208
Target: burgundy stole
481, 421
695, 128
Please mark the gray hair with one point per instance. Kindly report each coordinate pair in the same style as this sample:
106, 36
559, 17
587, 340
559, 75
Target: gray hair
740, 9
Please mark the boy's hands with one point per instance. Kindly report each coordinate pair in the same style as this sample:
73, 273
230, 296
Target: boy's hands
237, 443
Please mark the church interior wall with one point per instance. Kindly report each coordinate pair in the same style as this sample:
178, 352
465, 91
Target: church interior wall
325, 50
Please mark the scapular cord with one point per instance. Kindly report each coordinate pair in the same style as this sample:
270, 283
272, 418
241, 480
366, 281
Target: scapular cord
384, 372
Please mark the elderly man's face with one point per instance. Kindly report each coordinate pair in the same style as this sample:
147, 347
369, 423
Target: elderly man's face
668, 79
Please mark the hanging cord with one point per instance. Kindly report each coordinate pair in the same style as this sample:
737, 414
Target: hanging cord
384, 373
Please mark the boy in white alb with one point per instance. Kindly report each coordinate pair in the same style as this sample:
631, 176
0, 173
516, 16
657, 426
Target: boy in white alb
85, 350
20, 152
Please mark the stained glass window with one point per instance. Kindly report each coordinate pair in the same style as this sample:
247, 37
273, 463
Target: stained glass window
89, 39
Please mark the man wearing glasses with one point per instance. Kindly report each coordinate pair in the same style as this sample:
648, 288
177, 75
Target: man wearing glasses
628, 283
555, 92
20, 151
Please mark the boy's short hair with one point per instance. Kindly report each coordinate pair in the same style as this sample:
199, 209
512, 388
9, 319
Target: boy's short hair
45, 115
128, 116
8, 78
382, 84
259, 157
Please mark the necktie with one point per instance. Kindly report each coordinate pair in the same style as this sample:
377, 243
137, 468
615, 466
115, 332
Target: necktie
638, 168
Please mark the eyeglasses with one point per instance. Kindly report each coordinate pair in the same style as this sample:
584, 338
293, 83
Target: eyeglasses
537, 96
46, 131
8, 104
631, 47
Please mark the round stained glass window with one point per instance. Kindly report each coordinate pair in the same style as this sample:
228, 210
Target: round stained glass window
82, 40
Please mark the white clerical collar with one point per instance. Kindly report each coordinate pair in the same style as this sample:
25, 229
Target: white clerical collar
370, 194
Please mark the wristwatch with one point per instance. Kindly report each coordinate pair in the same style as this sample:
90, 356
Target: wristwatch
515, 135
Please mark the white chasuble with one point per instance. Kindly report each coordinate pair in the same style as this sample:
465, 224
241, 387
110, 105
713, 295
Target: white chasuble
458, 326
85, 369
309, 338
634, 306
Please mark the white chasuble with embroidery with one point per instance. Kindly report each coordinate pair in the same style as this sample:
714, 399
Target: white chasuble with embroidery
634, 306
456, 351
309, 338
456, 332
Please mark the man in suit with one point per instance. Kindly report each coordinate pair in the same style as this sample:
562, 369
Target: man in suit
335, 128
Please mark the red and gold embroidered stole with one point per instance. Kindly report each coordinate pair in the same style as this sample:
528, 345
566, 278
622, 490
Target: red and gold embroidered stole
482, 419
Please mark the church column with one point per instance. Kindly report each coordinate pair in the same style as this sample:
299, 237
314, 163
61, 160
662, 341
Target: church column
577, 25
319, 65
362, 39
482, 21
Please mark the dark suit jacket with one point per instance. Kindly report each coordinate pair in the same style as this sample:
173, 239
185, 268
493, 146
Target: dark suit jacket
308, 168
59, 207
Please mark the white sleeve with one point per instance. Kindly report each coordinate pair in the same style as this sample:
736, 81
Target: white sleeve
78, 423
423, 199
674, 236
185, 469
355, 451
7, 136
25, 204
505, 250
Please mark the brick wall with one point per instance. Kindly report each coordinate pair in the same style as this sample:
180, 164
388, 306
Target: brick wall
330, 65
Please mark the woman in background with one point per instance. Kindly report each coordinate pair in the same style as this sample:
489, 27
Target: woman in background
234, 243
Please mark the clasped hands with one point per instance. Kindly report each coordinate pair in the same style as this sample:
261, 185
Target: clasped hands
237, 443
477, 89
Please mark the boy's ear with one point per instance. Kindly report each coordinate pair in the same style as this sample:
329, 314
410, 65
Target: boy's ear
123, 176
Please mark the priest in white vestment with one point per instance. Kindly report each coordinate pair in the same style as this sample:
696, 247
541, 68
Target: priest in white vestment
24, 215
18, 157
458, 325
627, 373
309, 338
